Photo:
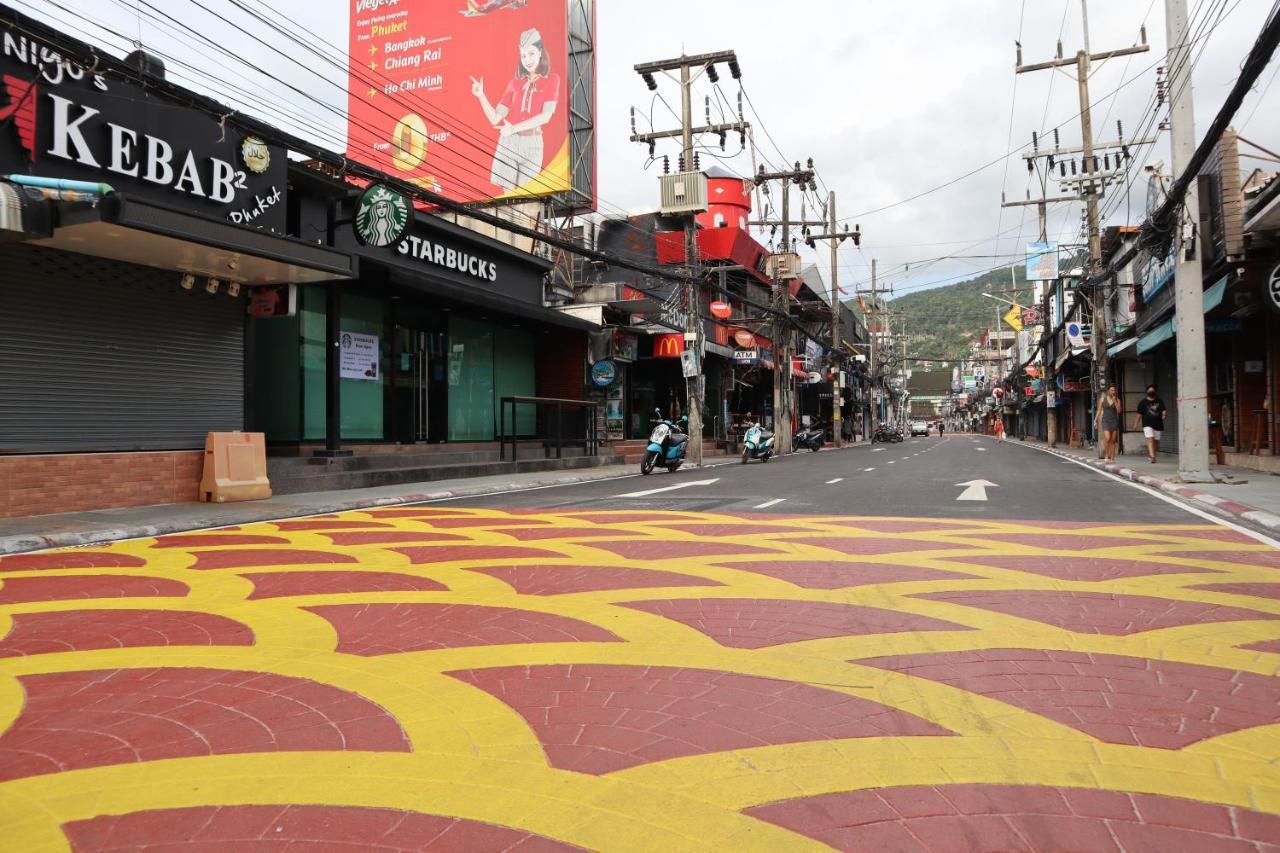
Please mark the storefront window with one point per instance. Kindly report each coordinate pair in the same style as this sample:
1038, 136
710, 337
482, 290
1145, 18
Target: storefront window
363, 378
487, 363
471, 407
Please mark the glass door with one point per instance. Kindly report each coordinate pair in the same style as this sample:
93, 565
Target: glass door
411, 395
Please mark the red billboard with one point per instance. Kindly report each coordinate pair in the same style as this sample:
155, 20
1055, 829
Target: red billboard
467, 98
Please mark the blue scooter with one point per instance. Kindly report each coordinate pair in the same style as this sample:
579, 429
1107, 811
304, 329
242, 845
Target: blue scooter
757, 443
667, 445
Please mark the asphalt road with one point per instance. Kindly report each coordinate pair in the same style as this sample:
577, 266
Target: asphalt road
921, 477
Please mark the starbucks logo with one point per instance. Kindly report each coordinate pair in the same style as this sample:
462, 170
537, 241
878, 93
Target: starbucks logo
382, 216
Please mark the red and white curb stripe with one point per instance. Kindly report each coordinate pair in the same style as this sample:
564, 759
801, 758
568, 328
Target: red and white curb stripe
1269, 520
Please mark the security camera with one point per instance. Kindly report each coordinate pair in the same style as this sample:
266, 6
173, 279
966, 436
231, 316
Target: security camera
1154, 167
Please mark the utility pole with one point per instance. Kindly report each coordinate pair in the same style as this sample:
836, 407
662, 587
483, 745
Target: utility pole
1093, 181
801, 177
693, 333
1193, 413
835, 238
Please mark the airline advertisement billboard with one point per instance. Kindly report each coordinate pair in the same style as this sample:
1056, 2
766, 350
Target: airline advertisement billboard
466, 98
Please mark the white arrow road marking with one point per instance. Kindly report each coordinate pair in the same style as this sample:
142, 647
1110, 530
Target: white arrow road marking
891, 461
982, 450
876, 449
868, 470
833, 482
976, 490
685, 485
768, 504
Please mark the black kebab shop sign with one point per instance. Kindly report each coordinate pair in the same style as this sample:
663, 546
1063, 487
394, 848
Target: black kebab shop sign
59, 119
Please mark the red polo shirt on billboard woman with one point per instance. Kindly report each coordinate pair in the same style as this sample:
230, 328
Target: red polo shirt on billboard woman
526, 97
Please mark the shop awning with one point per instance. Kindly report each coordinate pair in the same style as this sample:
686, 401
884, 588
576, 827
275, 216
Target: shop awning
127, 229
1213, 296
1116, 349
445, 292
1152, 339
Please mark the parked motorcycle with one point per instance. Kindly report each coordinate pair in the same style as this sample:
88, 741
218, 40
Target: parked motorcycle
668, 444
757, 444
886, 434
809, 439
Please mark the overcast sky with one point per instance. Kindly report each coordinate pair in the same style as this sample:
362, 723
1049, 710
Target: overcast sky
891, 99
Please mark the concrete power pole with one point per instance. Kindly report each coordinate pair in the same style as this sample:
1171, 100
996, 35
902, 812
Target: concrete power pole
781, 299
1192, 404
835, 238
693, 332
1093, 180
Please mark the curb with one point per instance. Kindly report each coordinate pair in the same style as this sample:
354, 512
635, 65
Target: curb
24, 542
1260, 517
21, 543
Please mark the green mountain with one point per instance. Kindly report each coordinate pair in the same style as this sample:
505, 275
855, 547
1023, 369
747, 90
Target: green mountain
941, 322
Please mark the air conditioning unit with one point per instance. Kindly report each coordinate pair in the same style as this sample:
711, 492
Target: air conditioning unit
684, 192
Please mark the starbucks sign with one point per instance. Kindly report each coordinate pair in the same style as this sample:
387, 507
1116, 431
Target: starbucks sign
382, 216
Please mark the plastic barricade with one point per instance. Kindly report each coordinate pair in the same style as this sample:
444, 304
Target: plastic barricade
235, 467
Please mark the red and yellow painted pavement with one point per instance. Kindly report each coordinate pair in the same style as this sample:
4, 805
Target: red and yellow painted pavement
471, 679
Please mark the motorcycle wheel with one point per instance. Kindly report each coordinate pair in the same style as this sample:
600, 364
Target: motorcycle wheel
746, 454
765, 458
674, 466
814, 448
646, 464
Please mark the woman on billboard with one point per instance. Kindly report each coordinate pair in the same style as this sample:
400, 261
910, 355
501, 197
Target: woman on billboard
528, 103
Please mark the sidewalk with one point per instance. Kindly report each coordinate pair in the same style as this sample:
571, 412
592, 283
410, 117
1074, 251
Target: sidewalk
1244, 495
61, 530
83, 528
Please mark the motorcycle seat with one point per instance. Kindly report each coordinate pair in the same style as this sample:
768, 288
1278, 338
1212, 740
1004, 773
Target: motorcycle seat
678, 438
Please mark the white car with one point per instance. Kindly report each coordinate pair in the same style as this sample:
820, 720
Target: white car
919, 428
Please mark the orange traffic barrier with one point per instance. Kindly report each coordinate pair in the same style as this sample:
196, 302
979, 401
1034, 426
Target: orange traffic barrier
235, 467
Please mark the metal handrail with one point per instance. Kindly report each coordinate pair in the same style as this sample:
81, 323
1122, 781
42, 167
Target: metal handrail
590, 441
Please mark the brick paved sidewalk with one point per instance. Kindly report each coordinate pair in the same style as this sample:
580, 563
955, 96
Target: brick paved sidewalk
449, 678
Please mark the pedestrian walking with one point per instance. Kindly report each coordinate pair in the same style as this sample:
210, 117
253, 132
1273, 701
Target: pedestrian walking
1107, 421
942, 427
1150, 417
1000, 428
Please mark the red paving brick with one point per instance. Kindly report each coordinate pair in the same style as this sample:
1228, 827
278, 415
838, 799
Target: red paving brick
659, 549
1061, 541
559, 580
1114, 698
1260, 590
210, 540
825, 574
75, 720
966, 818
1269, 559
1097, 612
75, 559
330, 524
252, 557
526, 534
81, 630
871, 545
414, 512
451, 523
298, 829
70, 587
601, 718
383, 629
698, 529
277, 584
889, 525
448, 553
392, 537
752, 623
1272, 646
606, 517
1069, 567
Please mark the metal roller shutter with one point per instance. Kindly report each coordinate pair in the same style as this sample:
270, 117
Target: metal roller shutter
97, 355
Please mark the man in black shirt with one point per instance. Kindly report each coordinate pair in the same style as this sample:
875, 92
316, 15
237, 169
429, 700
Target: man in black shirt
1150, 418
